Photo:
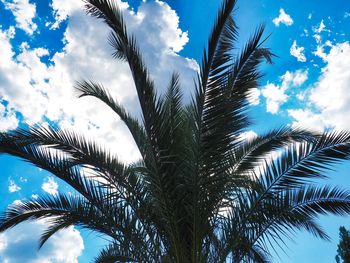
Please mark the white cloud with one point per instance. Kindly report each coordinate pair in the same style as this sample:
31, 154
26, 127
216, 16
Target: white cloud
329, 97
170, 35
23, 179
346, 14
34, 196
309, 16
320, 52
13, 187
283, 18
294, 79
22, 84
305, 33
317, 37
297, 52
8, 119
62, 9
276, 94
321, 27
50, 186
306, 119
38, 90
24, 13
20, 244
11, 32
318, 31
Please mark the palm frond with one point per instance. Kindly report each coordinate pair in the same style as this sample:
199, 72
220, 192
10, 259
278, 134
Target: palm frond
250, 153
89, 88
305, 161
126, 48
54, 162
314, 201
279, 215
62, 211
210, 99
244, 77
114, 253
220, 44
79, 151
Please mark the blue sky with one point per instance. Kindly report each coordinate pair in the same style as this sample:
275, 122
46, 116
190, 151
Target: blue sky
46, 45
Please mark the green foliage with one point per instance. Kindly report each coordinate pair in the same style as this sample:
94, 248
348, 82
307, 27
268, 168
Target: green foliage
199, 193
343, 246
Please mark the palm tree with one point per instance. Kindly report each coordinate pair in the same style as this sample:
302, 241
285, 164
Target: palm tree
200, 193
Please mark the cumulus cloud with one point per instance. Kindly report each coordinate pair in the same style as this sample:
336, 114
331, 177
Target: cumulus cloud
329, 99
307, 119
50, 186
20, 244
297, 52
283, 18
276, 94
24, 13
22, 83
13, 187
40, 91
62, 9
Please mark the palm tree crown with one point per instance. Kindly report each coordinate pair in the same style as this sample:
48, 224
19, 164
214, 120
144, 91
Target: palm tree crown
200, 193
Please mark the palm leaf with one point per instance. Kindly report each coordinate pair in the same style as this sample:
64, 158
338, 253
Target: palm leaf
125, 48
305, 161
89, 88
113, 253
64, 211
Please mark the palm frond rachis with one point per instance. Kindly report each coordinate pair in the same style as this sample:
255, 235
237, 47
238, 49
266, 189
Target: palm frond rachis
200, 193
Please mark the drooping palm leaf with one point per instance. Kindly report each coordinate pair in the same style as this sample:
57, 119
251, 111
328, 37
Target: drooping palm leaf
89, 88
63, 211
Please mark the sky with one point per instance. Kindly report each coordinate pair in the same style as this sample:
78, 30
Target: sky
45, 46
